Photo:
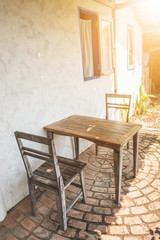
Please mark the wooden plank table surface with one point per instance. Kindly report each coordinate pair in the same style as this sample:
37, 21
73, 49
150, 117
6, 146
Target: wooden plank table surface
112, 134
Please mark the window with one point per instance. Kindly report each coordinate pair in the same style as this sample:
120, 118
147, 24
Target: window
106, 45
130, 46
90, 44
96, 44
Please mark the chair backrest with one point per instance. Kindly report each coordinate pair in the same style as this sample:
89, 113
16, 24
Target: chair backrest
27, 152
118, 101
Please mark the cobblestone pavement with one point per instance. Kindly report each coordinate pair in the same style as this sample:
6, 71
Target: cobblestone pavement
138, 216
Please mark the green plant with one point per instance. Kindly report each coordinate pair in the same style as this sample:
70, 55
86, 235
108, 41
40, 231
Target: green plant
124, 112
142, 101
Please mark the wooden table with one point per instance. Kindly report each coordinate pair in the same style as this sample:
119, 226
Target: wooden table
112, 134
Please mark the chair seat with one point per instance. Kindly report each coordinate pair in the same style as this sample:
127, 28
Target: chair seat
45, 174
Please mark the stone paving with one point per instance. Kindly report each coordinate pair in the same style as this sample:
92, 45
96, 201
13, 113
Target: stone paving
137, 218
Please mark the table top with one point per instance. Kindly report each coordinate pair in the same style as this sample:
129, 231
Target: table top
95, 129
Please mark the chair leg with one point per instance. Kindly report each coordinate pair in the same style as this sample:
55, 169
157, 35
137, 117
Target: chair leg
96, 149
61, 205
32, 197
83, 185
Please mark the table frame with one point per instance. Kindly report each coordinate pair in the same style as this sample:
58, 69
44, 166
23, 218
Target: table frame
117, 150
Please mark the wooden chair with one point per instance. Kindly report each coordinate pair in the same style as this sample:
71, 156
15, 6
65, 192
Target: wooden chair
121, 104
55, 174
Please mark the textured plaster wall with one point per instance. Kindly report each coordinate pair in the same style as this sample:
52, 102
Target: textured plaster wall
41, 80
128, 80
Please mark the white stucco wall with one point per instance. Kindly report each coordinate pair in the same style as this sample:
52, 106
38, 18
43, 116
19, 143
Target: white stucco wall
128, 80
41, 80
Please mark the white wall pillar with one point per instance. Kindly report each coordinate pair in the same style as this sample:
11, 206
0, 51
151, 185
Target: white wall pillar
3, 210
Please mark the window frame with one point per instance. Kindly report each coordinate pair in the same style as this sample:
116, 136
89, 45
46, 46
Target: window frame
99, 39
97, 64
109, 20
130, 28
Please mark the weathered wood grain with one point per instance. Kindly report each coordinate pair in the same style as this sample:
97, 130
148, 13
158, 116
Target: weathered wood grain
118, 156
135, 152
95, 129
125, 106
107, 133
55, 174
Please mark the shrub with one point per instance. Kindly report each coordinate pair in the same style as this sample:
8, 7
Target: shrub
124, 112
142, 101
